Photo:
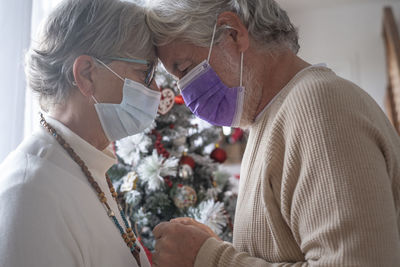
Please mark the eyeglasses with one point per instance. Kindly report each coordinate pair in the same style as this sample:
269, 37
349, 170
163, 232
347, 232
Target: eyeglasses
150, 72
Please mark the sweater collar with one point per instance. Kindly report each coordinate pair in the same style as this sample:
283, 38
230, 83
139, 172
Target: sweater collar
289, 85
97, 161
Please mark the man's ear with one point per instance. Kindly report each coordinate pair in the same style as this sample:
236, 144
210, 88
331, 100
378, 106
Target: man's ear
83, 68
237, 30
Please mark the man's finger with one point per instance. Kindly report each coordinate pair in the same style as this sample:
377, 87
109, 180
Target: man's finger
183, 221
159, 229
155, 258
158, 245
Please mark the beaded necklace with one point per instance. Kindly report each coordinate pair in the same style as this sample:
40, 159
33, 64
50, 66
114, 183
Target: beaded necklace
128, 235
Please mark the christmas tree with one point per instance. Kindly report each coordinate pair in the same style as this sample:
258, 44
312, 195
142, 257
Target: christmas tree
173, 169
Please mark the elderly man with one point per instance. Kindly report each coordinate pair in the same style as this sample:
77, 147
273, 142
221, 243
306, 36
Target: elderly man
320, 179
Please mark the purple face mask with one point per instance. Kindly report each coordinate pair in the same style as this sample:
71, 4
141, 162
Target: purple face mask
209, 98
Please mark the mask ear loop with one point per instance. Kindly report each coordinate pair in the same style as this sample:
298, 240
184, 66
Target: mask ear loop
107, 67
209, 55
212, 43
94, 99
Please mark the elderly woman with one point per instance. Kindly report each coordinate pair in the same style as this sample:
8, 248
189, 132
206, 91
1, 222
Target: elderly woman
93, 70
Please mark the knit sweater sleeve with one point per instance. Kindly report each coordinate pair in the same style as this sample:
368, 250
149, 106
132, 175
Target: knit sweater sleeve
334, 154
337, 194
216, 253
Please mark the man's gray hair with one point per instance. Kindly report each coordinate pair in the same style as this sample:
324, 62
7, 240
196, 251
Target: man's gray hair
99, 28
193, 21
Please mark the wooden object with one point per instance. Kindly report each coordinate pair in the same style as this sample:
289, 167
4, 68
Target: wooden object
392, 44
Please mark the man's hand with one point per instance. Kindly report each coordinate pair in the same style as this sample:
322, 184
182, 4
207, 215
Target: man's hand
190, 221
177, 244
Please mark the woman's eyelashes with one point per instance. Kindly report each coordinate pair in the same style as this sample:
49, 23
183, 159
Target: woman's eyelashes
184, 72
138, 72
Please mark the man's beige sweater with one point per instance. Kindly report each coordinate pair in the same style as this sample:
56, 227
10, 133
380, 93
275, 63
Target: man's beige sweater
320, 182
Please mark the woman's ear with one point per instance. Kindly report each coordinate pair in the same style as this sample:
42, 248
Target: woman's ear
83, 69
237, 30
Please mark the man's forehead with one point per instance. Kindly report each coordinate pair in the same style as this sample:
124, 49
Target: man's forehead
175, 50
174, 53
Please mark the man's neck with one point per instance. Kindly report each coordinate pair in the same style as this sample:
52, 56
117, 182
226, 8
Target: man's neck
277, 73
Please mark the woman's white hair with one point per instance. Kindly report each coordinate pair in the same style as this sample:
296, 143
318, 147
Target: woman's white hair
193, 21
99, 28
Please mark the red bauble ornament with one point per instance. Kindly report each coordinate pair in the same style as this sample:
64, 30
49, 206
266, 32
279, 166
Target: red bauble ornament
179, 100
236, 136
168, 181
188, 160
219, 155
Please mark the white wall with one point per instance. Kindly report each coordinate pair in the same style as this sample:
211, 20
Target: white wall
15, 21
18, 18
347, 35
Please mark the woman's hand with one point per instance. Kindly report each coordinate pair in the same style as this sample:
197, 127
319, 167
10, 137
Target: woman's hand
193, 222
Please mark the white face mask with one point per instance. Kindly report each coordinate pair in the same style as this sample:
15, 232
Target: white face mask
134, 114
